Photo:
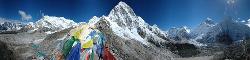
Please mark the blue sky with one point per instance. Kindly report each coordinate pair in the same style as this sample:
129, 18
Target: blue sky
164, 13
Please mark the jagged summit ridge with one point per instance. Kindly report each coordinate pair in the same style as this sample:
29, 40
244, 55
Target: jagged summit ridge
122, 9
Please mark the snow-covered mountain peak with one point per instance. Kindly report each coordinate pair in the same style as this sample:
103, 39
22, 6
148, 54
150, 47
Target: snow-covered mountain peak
52, 21
248, 23
182, 29
124, 15
208, 18
203, 28
9, 25
51, 24
93, 20
186, 29
248, 20
226, 28
155, 26
181, 33
208, 22
122, 9
123, 22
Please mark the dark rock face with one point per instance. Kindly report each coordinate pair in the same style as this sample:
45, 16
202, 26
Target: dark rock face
234, 52
184, 49
6, 54
9, 32
238, 51
224, 38
141, 33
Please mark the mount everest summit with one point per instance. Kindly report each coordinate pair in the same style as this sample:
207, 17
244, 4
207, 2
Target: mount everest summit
211, 31
128, 35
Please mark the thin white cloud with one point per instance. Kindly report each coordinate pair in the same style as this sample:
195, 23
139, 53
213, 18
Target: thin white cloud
24, 15
231, 1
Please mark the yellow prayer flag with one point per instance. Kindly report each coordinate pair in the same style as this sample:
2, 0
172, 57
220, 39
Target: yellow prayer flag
88, 44
78, 34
